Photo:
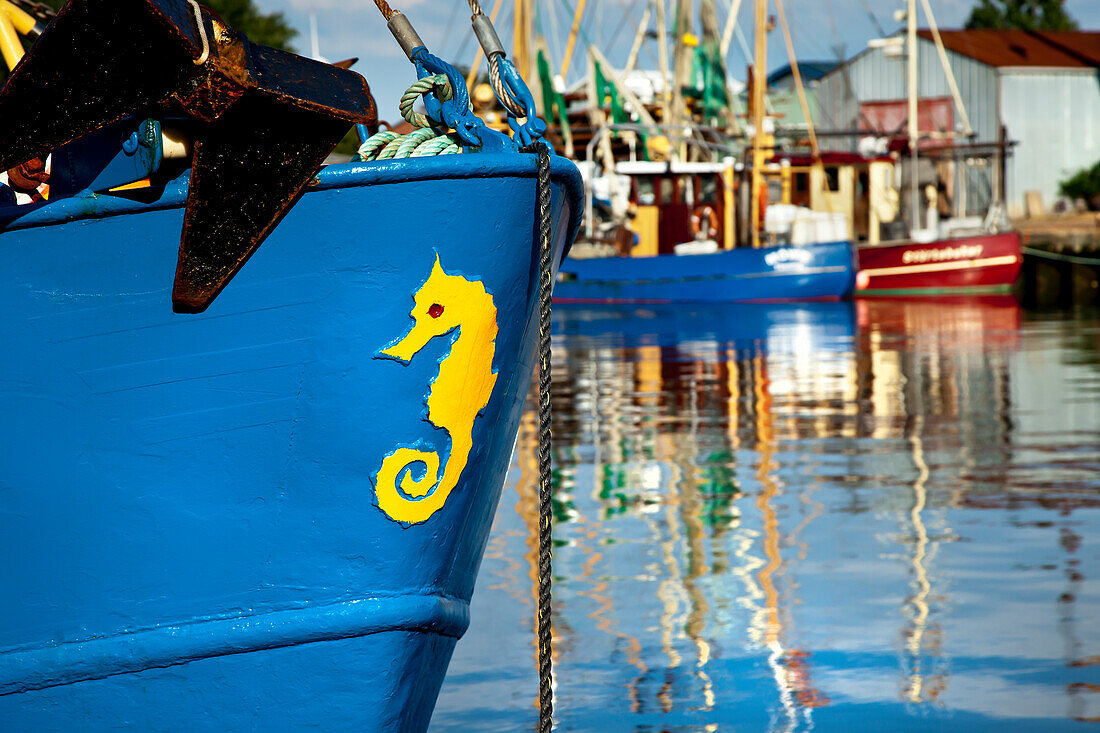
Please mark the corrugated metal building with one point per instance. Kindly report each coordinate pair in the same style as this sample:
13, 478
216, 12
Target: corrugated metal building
1042, 87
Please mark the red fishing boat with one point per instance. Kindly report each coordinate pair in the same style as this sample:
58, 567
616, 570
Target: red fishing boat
986, 263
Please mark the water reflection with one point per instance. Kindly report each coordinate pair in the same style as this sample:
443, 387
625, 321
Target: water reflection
788, 517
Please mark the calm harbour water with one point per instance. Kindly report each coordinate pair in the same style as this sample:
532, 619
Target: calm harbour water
838, 516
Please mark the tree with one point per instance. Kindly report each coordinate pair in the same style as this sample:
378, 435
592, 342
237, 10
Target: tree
268, 29
1028, 15
1084, 184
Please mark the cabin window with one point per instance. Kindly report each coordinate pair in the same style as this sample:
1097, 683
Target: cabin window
708, 189
801, 182
664, 191
645, 195
832, 178
775, 189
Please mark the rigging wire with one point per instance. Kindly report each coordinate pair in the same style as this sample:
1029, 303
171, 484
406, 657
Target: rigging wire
874, 18
555, 37
494, 53
449, 33
628, 14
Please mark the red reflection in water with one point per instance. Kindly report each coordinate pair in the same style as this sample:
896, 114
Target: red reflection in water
955, 322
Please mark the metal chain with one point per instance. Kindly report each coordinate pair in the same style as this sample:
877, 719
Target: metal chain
546, 515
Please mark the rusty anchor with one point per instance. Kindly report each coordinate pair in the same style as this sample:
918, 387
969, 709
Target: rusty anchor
264, 119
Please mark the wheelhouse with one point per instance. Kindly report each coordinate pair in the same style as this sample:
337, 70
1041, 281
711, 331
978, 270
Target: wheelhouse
676, 204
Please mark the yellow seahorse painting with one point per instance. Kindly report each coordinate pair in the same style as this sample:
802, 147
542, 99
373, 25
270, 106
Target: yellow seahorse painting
458, 393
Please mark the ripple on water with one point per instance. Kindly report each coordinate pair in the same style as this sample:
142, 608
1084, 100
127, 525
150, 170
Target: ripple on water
879, 516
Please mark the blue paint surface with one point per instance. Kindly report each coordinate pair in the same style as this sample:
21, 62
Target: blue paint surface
743, 274
186, 504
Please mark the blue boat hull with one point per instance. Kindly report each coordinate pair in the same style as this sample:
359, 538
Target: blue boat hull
191, 515
740, 275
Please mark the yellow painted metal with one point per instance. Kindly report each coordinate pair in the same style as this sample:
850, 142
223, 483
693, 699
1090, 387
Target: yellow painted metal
23, 21
728, 230
521, 40
798, 80
645, 225
759, 77
458, 393
10, 45
577, 15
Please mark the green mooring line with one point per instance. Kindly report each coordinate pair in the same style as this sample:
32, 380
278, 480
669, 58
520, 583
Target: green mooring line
1061, 257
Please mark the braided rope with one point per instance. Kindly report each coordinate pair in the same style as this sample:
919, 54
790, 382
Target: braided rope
413, 140
373, 144
437, 82
546, 516
426, 140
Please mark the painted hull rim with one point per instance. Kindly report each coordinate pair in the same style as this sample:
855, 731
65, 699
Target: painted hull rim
340, 176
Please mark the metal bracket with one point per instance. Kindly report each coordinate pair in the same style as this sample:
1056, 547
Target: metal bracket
534, 127
456, 112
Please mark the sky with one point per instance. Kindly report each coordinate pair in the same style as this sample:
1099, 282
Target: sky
821, 29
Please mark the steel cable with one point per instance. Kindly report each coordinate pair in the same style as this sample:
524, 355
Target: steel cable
503, 93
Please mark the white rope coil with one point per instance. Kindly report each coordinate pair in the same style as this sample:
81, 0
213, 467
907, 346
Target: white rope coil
422, 142
202, 34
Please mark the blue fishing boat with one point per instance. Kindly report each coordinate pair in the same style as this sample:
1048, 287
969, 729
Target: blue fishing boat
265, 508
741, 275
679, 245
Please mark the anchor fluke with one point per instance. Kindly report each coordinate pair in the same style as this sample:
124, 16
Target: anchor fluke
264, 119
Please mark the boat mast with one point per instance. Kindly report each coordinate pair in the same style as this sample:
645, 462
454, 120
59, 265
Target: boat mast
639, 39
759, 77
914, 133
521, 39
681, 64
662, 60
569, 45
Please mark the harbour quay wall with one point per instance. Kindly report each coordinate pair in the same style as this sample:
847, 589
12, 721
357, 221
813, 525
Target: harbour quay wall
1061, 260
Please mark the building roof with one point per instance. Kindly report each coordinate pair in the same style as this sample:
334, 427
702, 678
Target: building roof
1058, 49
810, 70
